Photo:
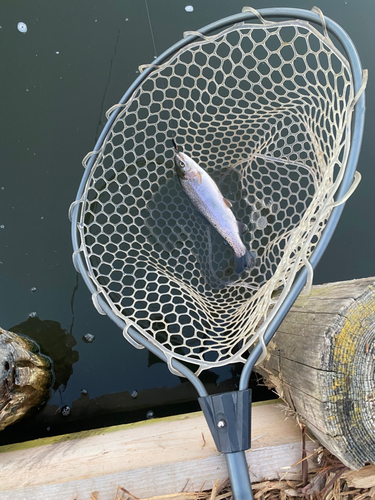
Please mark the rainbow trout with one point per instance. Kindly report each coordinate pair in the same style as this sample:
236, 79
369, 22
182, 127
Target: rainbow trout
207, 198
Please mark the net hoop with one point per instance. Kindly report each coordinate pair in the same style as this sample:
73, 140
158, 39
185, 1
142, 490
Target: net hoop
300, 243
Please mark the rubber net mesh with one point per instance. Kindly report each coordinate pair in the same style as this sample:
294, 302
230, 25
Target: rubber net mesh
265, 108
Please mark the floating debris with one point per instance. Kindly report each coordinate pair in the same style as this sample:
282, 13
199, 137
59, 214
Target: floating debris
189, 8
88, 338
150, 414
33, 315
65, 411
134, 394
84, 392
22, 27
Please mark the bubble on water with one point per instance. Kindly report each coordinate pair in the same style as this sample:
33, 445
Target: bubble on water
33, 315
2, 226
88, 338
57, 52
134, 394
22, 27
189, 8
126, 19
33, 289
65, 411
84, 392
150, 414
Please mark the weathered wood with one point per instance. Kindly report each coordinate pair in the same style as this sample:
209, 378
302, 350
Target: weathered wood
364, 478
25, 377
322, 363
155, 457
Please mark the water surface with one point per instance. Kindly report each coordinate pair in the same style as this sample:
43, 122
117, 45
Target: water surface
58, 77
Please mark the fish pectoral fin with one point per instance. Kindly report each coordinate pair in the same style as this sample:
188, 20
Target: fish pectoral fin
199, 177
242, 228
227, 202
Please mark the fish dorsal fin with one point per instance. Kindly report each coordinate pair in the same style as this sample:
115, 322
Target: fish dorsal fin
227, 202
242, 228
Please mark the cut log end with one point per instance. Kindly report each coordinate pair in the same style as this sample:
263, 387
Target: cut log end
322, 363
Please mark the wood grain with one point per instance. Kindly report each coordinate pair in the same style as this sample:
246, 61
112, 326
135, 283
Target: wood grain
322, 363
156, 457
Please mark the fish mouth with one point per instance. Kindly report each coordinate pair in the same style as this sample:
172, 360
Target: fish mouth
178, 156
179, 162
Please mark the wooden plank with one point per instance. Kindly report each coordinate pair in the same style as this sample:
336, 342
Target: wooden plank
158, 457
194, 475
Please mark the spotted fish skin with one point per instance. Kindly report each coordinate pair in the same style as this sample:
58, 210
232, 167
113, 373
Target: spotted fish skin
205, 195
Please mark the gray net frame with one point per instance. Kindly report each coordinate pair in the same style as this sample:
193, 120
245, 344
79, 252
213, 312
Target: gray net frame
266, 108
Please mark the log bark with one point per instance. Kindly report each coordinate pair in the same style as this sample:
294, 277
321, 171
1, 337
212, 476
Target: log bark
25, 377
321, 361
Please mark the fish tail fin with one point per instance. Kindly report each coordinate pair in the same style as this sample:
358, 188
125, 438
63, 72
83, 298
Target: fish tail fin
247, 261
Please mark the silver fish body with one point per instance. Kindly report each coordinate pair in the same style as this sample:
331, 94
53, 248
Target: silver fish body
205, 195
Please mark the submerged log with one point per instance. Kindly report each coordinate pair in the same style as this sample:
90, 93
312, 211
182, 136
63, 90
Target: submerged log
25, 377
321, 361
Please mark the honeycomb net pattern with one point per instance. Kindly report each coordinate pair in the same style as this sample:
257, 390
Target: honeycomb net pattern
265, 109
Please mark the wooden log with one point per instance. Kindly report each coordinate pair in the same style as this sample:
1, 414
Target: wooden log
321, 361
363, 478
25, 377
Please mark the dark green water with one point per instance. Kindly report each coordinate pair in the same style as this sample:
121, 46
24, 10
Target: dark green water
57, 80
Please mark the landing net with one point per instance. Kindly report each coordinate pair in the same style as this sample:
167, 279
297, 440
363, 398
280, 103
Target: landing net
266, 109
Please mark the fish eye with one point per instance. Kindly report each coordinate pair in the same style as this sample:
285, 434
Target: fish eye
181, 164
